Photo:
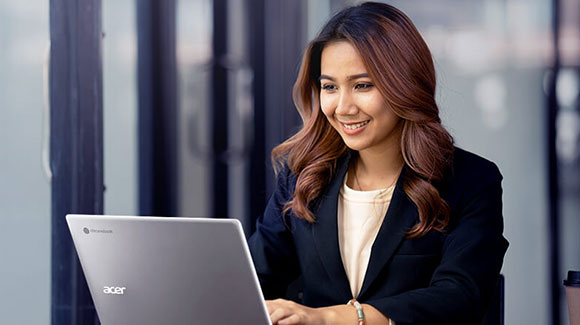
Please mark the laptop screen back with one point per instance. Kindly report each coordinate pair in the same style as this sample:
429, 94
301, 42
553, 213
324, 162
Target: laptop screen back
153, 270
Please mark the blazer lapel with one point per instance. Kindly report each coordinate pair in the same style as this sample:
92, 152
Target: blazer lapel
325, 233
401, 216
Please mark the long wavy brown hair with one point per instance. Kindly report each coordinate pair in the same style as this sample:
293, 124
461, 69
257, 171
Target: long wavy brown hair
401, 67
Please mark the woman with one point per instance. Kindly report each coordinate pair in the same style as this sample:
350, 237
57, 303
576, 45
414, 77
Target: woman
374, 206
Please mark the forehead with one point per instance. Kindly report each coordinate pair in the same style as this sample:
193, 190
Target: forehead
341, 58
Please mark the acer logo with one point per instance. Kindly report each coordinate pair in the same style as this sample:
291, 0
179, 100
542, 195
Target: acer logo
114, 290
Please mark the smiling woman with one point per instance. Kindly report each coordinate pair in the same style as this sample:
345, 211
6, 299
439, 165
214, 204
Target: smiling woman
381, 41
374, 205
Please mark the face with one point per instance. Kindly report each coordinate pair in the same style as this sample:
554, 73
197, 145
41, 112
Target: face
351, 102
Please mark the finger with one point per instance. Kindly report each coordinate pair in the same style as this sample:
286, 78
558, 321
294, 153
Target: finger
292, 320
277, 315
274, 303
271, 306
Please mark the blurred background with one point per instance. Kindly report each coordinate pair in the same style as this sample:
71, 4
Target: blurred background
171, 108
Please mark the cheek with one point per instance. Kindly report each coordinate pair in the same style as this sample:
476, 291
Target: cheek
372, 102
327, 106
377, 107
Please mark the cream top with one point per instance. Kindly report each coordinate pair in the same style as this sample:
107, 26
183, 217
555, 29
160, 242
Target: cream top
360, 215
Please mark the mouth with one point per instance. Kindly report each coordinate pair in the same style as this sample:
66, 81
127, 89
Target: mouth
354, 126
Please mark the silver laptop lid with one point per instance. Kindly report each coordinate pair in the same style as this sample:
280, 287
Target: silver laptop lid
156, 270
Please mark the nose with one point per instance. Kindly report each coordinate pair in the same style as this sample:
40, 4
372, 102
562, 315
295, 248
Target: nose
346, 104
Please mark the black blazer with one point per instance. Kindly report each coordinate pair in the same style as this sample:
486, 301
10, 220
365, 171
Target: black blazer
438, 278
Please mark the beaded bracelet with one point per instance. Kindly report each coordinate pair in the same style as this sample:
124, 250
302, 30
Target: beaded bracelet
359, 311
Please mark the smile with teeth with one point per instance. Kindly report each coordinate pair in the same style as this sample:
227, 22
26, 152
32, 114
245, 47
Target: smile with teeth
356, 126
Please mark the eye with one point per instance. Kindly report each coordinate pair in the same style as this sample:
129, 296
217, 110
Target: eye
363, 86
328, 87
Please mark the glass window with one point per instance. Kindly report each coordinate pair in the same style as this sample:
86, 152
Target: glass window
120, 107
194, 51
24, 180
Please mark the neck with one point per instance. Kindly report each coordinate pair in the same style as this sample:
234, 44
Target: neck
378, 170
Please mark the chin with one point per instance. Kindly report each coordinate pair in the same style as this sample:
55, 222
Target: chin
355, 146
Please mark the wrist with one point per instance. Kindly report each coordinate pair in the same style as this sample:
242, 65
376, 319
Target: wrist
327, 315
359, 311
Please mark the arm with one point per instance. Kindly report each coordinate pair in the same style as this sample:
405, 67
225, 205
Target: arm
272, 246
464, 280
284, 312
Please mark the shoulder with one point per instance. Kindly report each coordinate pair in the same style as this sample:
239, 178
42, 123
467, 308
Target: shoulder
285, 179
468, 176
471, 168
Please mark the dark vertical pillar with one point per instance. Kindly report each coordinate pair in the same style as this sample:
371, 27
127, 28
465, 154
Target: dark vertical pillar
157, 73
76, 146
285, 40
553, 184
258, 160
219, 111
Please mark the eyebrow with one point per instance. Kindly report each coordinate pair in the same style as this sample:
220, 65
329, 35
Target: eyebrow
354, 76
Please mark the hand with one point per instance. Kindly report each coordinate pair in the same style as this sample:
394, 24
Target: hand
286, 312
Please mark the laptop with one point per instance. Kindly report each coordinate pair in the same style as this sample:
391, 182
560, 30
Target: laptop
157, 270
